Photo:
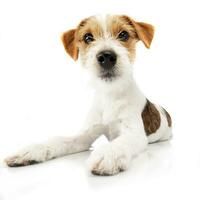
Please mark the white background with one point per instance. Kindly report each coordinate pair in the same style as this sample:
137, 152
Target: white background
43, 93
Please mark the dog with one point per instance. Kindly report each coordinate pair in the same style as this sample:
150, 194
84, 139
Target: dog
106, 47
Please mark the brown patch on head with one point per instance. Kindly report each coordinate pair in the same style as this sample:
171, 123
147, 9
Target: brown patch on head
119, 23
151, 118
73, 39
145, 32
89, 25
169, 120
137, 31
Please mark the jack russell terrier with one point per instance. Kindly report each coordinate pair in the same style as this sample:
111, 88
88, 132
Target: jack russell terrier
120, 111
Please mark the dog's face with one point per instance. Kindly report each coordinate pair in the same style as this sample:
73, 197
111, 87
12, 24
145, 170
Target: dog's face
106, 45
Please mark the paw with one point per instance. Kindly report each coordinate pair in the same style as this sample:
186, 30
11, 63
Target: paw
109, 160
31, 155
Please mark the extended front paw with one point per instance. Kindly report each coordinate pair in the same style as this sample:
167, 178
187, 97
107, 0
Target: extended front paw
30, 155
109, 160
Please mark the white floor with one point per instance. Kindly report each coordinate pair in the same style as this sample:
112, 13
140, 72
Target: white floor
166, 170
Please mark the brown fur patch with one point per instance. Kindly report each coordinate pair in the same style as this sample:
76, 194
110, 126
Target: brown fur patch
145, 32
169, 120
151, 118
68, 39
116, 24
73, 39
89, 25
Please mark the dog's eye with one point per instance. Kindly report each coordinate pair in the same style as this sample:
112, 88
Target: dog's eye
123, 36
88, 37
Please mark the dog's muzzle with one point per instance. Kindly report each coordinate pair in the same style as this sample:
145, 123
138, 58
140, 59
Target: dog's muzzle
107, 59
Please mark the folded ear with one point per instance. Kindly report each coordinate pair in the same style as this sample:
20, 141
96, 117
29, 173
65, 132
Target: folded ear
145, 32
68, 39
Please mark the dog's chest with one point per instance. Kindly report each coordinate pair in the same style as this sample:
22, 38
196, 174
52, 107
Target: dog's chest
111, 110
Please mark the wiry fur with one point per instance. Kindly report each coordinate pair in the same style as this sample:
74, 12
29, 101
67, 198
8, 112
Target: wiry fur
118, 104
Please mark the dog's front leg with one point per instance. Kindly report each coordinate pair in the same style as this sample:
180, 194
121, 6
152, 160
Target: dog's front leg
117, 155
61, 146
56, 147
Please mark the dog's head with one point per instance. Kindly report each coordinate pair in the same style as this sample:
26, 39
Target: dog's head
106, 45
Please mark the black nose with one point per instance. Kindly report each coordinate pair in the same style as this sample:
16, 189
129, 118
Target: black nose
107, 59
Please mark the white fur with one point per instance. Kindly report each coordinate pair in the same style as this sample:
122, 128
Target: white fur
116, 113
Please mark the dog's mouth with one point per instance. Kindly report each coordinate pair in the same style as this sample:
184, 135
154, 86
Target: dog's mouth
108, 75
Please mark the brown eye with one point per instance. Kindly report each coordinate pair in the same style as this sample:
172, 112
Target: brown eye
123, 36
88, 37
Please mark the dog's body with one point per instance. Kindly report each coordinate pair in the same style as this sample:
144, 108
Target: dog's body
106, 46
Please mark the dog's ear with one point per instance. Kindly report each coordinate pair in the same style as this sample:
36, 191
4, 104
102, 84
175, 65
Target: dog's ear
68, 39
145, 32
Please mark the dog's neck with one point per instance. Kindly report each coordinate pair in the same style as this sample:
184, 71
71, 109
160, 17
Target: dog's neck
117, 88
